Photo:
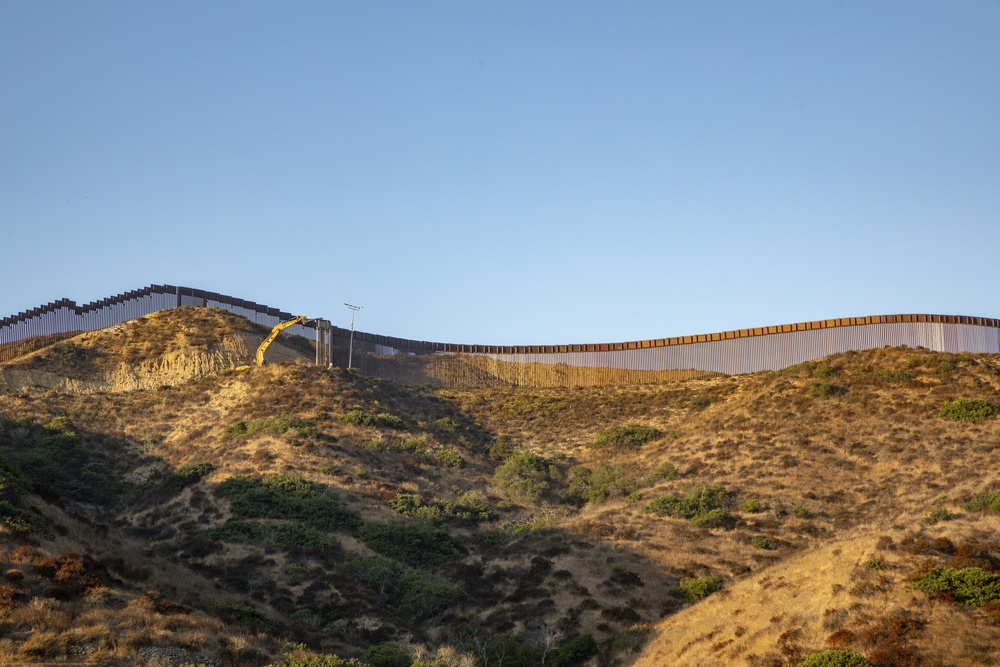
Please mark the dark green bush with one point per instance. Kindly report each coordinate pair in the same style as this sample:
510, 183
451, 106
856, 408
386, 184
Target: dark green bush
937, 515
450, 458
287, 497
380, 420
13, 483
834, 659
470, 507
751, 506
973, 586
247, 616
699, 588
717, 518
62, 425
415, 542
272, 425
700, 500
984, 502
187, 475
64, 465
505, 650
299, 656
968, 409
414, 593
577, 650
388, 654
502, 448
279, 534
523, 476
875, 374
824, 389
603, 483
663, 471
627, 437
700, 402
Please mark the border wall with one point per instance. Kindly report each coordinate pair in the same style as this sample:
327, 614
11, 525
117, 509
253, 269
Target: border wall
462, 366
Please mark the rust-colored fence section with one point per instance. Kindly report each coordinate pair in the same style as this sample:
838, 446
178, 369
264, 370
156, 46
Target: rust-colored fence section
469, 366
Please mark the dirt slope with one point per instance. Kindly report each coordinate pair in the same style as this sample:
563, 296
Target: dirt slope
168, 348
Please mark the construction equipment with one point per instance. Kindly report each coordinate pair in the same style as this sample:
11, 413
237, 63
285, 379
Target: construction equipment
278, 328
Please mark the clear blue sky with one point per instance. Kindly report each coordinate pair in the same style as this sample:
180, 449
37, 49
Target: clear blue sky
507, 172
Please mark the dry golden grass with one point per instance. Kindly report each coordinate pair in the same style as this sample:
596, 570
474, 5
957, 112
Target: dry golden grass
846, 459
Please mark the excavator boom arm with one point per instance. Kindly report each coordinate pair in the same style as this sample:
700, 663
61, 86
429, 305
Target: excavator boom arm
278, 328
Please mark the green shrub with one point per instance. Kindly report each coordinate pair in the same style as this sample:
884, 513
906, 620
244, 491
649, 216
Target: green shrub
245, 615
388, 654
834, 659
65, 465
937, 515
663, 471
945, 366
504, 650
450, 458
875, 374
700, 402
968, 409
413, 445
874, 564
821, 370
984, 502
762, 542
751, 506
575, 651
415, 542
20, 519
700, 588
279, 534
13, 483
414, 593
801, 511
523, 476
14, 516
502, 448
423, 594
287, 497
627, 437
717, 518
470, 507
62, 425
187, 475
700, 500
380, 420
824, 389
603, 483
973, 586
270, 425
299, 656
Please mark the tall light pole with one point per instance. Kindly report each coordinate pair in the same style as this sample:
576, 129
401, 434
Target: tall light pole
350, 349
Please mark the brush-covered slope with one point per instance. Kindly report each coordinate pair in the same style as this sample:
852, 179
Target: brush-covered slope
752, 520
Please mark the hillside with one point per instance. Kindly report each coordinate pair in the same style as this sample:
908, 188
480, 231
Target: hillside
161, 508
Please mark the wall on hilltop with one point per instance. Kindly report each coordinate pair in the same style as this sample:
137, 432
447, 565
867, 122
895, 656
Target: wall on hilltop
461, 366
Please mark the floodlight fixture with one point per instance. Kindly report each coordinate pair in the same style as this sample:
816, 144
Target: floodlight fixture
350, 349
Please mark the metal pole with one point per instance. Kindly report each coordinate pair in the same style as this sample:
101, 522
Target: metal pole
350, 347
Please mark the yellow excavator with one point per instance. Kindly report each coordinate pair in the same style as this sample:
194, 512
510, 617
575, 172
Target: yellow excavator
278, 328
